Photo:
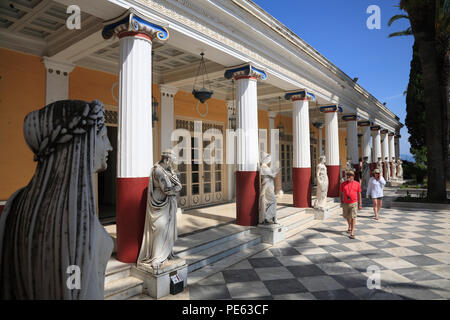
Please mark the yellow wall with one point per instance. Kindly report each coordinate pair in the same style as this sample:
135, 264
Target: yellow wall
342, 147
87, 84
22, 90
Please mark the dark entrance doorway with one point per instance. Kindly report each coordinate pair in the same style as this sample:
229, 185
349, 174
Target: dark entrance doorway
107, 183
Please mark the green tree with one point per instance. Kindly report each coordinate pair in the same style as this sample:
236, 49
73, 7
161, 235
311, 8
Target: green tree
429, 21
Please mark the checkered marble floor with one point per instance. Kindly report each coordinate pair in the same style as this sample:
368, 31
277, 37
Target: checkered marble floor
410, 247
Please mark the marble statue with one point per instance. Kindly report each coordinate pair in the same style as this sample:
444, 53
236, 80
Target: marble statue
388, 169
267, 198
348, 166
160, 231
365, 175
322, 184
49, 228
399, 169
394, 168
380, 167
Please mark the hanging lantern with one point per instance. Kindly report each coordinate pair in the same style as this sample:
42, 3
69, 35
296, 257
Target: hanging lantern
232, 118
203, 93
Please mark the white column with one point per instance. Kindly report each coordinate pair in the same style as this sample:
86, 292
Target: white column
391, 147
301, 143
247, 121
57, 80
167, 115
331, 138
135, 150
376, 141
332, 148
384, 146
301, 166
397, 146
134, 141
352, 138
366, 152
247, 189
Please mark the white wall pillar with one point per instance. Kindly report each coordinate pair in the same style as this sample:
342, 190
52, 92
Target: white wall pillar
231, 108
57, 80
376, 141
167, 115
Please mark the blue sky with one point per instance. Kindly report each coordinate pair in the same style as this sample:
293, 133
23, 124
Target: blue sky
337, 29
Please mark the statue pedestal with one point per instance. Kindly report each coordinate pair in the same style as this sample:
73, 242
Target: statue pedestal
157, 281
272, 233
389, 183
321, 213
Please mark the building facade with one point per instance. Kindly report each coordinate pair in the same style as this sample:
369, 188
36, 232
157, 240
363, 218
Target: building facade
141, 59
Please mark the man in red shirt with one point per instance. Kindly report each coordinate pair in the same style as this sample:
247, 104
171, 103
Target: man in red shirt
350, 195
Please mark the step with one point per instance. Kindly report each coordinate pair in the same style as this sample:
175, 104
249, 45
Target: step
294, 220
206, 239
123, 288
293, 231
212, 254
218, 266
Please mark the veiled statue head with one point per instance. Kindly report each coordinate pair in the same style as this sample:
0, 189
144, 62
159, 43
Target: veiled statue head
69, 142
322, 159
265, 158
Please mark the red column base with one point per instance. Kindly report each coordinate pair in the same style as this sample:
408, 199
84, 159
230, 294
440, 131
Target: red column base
301, 179
130, 217
247, 198
333, 181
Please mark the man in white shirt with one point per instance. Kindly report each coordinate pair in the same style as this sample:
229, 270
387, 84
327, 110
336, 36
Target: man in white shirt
375, 191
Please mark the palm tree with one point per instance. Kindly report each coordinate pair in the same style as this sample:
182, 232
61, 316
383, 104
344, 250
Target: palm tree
430, 27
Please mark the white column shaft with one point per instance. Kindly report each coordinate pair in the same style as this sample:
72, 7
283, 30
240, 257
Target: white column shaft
391, 148
376, 140
247, 138
384, 147
301, 143
331, 138
352, 141
135, 151
366, 152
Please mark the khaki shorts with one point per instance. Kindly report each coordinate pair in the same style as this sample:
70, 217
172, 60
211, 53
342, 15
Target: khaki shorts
349, 210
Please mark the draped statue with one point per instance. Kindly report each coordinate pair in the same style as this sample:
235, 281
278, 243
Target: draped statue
322, 184
365, 174
399, 169
380, 167
394, 168
267, 198
388, 169
160, 232
50, 226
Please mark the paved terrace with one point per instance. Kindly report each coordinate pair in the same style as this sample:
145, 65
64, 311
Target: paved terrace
411, 248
